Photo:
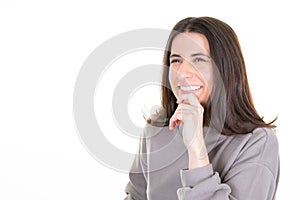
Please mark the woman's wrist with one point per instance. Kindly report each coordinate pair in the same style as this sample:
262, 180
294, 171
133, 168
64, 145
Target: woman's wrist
198, 157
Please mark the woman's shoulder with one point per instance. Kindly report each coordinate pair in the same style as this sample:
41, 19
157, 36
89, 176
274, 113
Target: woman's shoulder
156, 123
261, 147
157, 118
260, 136
154, 131
266, 137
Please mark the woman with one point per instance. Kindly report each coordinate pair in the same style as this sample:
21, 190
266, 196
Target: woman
207, 141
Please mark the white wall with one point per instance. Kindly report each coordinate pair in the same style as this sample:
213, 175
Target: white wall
43, 45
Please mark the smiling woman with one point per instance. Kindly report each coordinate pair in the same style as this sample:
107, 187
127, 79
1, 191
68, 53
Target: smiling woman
190, 66
207, 141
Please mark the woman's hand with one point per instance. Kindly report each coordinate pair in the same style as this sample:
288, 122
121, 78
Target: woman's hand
190, 113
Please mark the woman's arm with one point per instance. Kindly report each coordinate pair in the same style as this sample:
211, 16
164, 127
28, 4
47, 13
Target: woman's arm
136, 188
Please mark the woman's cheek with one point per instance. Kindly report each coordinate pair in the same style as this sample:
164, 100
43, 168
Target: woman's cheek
173, 83
208, 78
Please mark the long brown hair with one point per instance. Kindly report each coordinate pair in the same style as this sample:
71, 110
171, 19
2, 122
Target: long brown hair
239, 115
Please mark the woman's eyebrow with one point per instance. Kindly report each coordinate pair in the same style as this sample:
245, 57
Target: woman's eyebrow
192, 55
174, 55
200, 54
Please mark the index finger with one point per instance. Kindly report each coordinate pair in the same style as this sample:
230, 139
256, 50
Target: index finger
189, 98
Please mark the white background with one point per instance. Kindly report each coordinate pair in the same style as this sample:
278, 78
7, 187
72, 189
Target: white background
42, 47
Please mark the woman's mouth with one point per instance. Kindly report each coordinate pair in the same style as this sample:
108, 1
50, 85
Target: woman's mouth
189, 88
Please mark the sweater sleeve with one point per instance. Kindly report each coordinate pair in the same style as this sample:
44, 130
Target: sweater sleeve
253, 175
137, 185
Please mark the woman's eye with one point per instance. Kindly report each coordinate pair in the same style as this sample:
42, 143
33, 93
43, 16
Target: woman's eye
175, 61
199, 60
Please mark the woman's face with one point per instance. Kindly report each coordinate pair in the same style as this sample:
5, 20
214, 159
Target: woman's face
191, 66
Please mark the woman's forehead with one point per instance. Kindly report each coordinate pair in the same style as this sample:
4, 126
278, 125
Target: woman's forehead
190, 43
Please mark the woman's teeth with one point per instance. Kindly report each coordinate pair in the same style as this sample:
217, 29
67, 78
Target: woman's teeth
190, 87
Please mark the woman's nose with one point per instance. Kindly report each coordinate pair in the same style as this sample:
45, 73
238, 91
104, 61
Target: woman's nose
186, 69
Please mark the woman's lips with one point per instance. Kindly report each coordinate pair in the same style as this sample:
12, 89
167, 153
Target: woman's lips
189, 88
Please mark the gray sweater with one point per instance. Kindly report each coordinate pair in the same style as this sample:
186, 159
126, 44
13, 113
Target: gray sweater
243, 167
